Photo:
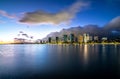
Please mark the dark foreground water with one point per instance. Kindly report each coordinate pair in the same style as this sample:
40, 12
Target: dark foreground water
59, 61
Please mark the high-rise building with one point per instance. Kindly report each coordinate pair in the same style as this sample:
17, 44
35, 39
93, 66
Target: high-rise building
90, 38
76, 40
80, 39
65, 38
96, 38
57, 39
49, 40
86, 37
72, 38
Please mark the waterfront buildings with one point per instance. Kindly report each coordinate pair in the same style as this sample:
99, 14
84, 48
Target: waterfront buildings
73, 38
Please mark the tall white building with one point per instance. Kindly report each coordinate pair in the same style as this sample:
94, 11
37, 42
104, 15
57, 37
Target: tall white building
86, 37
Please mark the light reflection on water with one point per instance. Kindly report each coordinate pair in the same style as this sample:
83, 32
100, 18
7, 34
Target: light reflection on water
86, 53
33, 59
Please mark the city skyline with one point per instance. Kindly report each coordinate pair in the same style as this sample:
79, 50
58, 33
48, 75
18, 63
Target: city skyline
38, 18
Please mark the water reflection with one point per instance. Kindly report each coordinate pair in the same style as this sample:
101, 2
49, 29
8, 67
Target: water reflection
21, 58
104, 53
62, 59
86, 54
6, 50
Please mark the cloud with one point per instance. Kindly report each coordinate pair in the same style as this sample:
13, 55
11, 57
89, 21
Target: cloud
64, 16
24, 35
111, 30
5, 14
114, 24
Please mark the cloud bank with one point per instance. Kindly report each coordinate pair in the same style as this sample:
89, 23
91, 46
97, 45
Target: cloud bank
64, 16
94, 30
114, 24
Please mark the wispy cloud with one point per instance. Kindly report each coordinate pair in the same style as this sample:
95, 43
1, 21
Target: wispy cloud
5, 14
63, 16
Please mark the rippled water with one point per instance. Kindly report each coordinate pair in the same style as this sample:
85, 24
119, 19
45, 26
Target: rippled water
66, 61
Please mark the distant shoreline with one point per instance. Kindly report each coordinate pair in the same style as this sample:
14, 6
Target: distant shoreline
65, 43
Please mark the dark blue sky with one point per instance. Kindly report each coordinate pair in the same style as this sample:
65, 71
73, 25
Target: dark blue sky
53, 15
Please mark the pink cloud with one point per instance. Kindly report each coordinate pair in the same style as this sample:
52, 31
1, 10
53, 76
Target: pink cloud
5, 14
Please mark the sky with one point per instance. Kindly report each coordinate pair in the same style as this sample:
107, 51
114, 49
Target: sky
38, 18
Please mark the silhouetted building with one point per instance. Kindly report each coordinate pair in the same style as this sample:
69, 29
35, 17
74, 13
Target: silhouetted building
49, 40
57, 39
76, 40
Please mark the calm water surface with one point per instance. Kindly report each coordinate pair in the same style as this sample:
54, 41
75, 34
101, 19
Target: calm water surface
66, 61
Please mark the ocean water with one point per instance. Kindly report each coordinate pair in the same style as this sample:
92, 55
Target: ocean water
38, 61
